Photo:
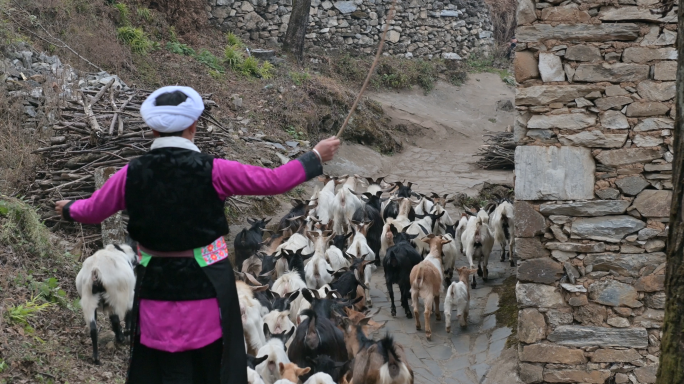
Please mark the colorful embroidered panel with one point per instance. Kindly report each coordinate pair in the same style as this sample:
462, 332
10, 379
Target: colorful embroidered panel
216, 251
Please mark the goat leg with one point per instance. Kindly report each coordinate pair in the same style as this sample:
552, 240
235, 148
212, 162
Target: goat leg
464, 317
127, 321
414, 301
405, 293
479, 269
485, 274
428, 328
116, 327
438, 315
93, 338
474, 284
390, 291
503, 252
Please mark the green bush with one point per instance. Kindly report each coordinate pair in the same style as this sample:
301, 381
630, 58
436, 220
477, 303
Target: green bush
207, 58
123, 13
300, 78
145, 14
266, 70
233, 57
233, 40
135, 38
250, 67
21, 227
179, 49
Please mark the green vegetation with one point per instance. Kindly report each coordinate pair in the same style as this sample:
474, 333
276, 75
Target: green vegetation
144, 13
295, 133
492, 120
507, 314
233, 40
179, 49
135, 38
234, 58
21, 226
480, 63
22, 313
123, 13
299, 78
207, 58
391, 72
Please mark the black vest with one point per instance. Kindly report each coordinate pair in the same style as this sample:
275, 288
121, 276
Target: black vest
171, 201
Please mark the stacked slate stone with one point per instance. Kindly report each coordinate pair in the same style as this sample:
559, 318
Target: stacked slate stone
450, 29
593, 188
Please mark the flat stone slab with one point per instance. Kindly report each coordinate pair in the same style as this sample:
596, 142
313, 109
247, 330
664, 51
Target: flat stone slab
541, 173
546, 94
543, 270
578, 32
585, 208
624, 264
538, 295
581, 336
606, 228
614, 293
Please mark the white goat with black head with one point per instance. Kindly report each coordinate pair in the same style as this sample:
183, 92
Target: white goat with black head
107, 281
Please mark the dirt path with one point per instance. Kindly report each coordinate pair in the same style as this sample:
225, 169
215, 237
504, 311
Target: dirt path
452, 121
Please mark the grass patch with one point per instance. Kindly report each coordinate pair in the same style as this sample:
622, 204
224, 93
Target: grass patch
123, 13
207, 58
180, 49
480, 63
234, 58
299, 78
145, 14
22, 313
22, 228
507, 314
135, 38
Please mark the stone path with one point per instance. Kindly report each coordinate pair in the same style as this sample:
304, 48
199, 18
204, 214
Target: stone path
466, 354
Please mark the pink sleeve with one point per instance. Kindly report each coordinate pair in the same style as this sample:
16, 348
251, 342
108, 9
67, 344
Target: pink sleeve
233, 178
104, 202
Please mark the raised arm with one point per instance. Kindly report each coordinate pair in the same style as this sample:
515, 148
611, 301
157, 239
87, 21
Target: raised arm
233, 178
105, 202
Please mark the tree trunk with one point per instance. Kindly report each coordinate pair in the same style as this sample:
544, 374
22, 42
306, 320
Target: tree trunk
671, 370
296, 28
113, 231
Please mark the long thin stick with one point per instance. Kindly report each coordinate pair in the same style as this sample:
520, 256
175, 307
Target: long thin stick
390, 16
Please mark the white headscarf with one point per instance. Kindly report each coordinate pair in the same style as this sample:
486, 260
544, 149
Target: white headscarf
172, 118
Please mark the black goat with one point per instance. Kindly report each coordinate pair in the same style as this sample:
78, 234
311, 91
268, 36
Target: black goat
295, 261
346, 281
371, 212
316, 335
248, 241
398, 262
392, 208
325, 364
253, 361
300, 208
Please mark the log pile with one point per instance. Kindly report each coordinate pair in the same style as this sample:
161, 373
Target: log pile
103, 128
498, 152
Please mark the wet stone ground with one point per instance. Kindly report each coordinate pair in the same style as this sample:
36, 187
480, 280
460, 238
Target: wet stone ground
463, 356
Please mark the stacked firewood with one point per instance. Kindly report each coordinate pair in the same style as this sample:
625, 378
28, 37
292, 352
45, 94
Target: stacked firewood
103, 128
498, 152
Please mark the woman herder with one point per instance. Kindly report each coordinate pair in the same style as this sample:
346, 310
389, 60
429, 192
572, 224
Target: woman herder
187, 313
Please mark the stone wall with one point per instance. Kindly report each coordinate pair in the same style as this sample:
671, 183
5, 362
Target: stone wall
451, 29
593, 187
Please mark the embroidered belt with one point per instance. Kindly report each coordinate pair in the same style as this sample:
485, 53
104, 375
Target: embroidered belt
216, 251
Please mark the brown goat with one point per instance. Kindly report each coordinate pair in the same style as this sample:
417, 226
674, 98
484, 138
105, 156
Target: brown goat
382, 362
426, 281
291, 371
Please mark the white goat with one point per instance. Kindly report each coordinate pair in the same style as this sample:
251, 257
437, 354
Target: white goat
107, 281
335, 257
290, 282
358, 248
402, 219
386, 239
458, 294
268, 369
316, 270
422, 228
345, 204
325, 199
252, 322
501, 222
320, 378
253, 377
279, 321
478, 241
424, 206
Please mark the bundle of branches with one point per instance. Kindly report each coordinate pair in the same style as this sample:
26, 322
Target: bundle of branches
103, 128
498, 152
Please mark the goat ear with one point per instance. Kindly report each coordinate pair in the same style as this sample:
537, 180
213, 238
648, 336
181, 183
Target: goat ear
364, 321
281, 367
292, 295
260, 360
307, 295
267, 221
303, 371
361, 284
267, 331
289, 333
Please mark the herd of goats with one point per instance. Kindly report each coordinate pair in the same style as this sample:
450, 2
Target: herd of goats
304, 288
